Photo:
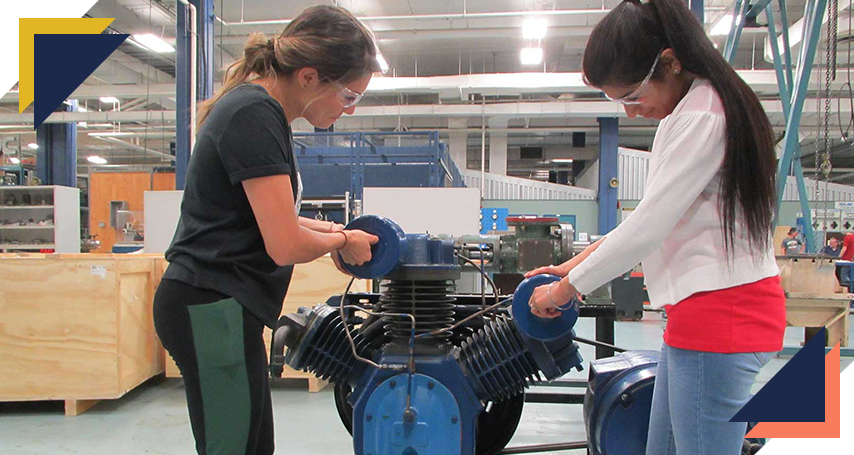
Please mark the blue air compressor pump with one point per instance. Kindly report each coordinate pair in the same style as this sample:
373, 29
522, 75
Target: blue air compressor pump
415, 377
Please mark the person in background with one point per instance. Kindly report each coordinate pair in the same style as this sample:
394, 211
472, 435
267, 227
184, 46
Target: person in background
240, 233
832, 248
703, 229
792, 245
847, 252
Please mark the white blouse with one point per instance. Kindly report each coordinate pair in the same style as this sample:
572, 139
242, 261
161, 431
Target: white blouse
676, 231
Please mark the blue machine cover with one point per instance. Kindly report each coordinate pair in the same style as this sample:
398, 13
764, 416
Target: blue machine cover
536, 327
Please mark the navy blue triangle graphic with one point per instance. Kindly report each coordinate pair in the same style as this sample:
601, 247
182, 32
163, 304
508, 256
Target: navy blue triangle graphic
795, 393
62, 63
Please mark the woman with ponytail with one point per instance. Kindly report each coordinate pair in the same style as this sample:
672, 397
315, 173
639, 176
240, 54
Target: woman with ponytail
240, 233
703, 230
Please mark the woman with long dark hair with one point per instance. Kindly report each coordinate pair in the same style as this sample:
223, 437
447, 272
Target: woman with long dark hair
703, 230
239, 234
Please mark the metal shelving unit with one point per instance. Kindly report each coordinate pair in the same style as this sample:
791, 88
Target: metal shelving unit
38, 218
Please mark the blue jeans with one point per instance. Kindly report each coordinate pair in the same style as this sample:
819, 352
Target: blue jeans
696, 394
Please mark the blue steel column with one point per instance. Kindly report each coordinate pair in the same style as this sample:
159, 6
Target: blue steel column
784, 84
57, 155
812, 33
697, 8
734, 37
204, 73
609, 134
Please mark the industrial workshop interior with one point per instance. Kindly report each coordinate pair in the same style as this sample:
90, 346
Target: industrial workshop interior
518, 226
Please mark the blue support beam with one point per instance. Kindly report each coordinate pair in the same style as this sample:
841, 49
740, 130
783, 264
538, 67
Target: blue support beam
697, 9
609, 134
811, 36
757, 7
204, 76
784, 84
57, 153
784, 19
738, 19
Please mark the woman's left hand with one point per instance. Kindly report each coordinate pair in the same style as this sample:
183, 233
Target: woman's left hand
545, 299
336, 259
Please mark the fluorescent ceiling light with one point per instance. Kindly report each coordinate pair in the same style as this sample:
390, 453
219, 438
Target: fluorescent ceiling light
383, 63
111, 134
15, 160
154, 43
534, 28
33, 145
562, 160
532, 56
724, 25
94, 159
109, 99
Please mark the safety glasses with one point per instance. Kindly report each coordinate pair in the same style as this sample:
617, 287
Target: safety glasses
347, 97
634, 97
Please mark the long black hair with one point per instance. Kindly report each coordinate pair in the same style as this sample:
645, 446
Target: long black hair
620, 52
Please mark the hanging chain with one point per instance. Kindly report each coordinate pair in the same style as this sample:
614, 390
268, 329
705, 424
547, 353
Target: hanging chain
830, 75
818, 138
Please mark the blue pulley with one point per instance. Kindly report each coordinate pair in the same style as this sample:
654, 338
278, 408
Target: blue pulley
538, 328
385, 254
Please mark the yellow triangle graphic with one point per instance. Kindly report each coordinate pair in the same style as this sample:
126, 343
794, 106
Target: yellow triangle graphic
29, 28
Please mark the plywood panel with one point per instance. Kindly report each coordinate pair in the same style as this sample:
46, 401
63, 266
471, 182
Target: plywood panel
163, 181
105, 187
817, 276
315, 282
57, 329
137, 357
76, 327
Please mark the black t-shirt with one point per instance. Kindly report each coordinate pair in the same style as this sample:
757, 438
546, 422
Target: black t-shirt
218, 244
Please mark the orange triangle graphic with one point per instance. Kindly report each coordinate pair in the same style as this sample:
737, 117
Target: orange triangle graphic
830, 428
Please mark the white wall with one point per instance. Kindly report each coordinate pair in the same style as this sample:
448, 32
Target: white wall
162, 209
454, 211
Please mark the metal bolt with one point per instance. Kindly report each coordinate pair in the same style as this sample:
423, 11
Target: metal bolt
408, 416
454, 419
369, 417
392, 384
624, 397
430, 385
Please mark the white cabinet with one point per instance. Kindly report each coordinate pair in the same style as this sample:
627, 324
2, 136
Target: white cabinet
34, 218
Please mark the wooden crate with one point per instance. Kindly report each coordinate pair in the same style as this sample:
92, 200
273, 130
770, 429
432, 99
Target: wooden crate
816, 311
311, 284
77, 328
814, 298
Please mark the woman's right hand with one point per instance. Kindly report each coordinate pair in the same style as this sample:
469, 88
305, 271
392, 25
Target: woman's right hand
557, 270
357, 250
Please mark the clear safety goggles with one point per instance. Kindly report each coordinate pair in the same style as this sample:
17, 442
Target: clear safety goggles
634, 97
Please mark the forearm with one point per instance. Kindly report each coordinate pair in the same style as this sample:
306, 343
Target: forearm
584, 254
311, 245
316, 225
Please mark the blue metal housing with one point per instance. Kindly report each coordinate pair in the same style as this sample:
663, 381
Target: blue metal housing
332, 164
371, 400
398, 253
536, 327
618, 403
